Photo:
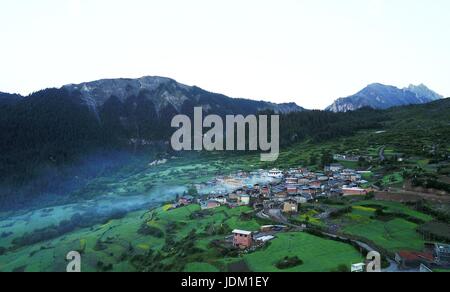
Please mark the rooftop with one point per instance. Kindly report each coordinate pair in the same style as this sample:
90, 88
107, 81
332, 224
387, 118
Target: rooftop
445, 248
237, 231
412, 255
266, 238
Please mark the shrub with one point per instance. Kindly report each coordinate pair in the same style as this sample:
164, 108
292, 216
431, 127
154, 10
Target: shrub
342, 269
383, 216
100, 246
439, 215
289, 262
146, 229
246, 216
338, 213
200, 214
328, 201
103, 267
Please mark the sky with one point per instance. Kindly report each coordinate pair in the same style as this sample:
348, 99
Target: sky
305, 51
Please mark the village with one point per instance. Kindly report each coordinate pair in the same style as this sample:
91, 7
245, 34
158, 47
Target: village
282, 190
277, 195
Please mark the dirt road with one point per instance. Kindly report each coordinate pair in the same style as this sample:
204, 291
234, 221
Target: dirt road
410, 196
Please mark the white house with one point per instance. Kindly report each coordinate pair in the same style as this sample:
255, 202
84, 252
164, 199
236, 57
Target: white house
300, 200
276, 173
358, 268
244, 199
219, 198
335, 167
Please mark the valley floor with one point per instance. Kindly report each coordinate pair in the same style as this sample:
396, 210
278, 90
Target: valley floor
125, 223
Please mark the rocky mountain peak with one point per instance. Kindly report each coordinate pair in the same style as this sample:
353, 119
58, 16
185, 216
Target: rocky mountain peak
380, 96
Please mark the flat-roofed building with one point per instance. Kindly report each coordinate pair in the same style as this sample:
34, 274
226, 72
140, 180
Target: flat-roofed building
244, 199
347, 191
242, 239
292, 190
291, 180
290, 206
442, 254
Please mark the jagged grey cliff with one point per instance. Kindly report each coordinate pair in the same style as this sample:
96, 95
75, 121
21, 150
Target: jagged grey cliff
379, 96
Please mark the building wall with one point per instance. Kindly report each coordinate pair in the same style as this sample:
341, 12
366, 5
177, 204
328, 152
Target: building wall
354, 192
213, 205
290, 208
241, 240
244, 200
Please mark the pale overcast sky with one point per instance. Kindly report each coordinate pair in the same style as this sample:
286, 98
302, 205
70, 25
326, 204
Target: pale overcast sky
305, 51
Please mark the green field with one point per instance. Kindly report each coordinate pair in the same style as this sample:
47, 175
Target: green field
50, 255
441, 270
394, 207
117, 241
317, 254
219, 216
394, 234
393, 179
118, 236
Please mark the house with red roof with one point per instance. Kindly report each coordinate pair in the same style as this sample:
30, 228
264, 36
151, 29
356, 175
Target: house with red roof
413, 259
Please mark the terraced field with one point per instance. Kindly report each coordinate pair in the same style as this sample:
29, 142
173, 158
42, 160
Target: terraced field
391, 233
395, 235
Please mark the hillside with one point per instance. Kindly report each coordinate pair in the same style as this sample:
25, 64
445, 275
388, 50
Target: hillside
166, 94
425, 122
55, 127
8, 99
39, 144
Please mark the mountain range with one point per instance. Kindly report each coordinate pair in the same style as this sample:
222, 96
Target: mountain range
127, 109
379, 96
166, 93
54, 127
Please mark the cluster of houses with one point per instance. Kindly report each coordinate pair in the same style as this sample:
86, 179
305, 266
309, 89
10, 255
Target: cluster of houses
350, 157
301, 185
284, 191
